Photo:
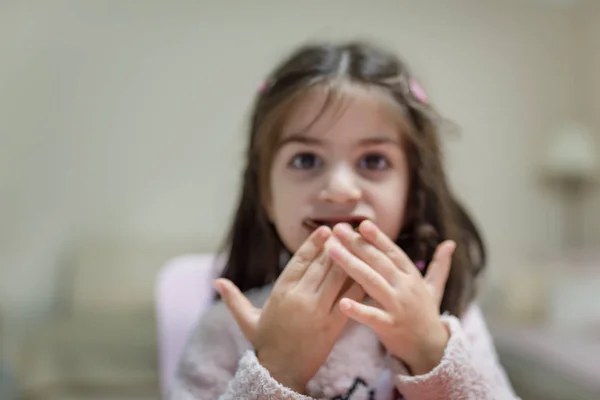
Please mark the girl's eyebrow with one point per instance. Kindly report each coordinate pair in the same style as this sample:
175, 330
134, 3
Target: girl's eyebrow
379, 140
303, 139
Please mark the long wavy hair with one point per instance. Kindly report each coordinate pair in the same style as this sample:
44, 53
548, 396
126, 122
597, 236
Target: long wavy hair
433, 213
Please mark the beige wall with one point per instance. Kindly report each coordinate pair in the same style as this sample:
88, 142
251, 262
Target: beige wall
127, 121
591, 65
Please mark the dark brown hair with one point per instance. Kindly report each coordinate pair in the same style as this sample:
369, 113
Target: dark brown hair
433, 213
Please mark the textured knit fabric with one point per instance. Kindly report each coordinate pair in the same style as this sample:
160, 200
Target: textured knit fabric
218, 363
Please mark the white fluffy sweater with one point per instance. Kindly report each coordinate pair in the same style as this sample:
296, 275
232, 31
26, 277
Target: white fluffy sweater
218, 363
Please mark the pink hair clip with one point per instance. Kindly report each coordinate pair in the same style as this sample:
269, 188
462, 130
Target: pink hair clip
420, 265
417, 90
264, 87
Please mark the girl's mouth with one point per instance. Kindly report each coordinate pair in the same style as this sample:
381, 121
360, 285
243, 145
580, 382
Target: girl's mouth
313, 224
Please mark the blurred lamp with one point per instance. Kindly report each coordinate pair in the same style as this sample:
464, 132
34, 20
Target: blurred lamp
571, 155
571, 163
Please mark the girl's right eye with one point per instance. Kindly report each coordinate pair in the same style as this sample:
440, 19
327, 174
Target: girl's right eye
304, 161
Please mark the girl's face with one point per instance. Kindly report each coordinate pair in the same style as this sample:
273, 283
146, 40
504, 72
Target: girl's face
342, 164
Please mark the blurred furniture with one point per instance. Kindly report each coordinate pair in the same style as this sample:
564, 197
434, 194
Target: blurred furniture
183, 289
558, 358
6, 379
548, 365
570, 163
101, 342
574, 304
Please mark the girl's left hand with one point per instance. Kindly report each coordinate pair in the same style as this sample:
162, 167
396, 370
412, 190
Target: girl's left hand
407, 318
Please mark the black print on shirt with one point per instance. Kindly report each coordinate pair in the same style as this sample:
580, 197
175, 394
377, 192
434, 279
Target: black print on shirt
358, 382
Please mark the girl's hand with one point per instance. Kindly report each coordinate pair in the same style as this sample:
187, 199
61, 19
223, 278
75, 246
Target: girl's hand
297, 328
407, 319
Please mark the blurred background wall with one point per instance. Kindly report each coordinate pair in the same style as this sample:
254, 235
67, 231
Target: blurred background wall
124, 122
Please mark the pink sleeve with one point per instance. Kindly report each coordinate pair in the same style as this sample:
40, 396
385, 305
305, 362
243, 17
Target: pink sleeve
217, 364
469, 369
253, 382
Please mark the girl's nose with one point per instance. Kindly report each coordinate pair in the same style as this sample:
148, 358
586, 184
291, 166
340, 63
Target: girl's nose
341, 186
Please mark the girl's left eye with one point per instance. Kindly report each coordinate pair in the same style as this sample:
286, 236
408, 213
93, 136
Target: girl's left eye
374, 162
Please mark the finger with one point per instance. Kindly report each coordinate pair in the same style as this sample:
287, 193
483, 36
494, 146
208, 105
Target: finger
245, 314
387, 246
370, 280
364, 250
300, 261
338, 284
332, 284
354, 292
315, 273
370, 316
439, 268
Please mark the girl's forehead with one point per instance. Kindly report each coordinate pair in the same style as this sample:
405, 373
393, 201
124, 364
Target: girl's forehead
343, 111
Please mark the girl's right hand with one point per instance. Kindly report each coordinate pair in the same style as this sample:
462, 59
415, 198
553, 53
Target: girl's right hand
301, 321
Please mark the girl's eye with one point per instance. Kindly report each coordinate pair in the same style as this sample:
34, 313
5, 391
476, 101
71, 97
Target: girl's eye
374, 162
305, 161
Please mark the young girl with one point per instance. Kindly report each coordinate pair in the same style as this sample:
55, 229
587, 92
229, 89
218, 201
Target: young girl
356, 261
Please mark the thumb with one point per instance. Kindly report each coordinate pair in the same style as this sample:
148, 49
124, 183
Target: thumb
439, 268
245, 314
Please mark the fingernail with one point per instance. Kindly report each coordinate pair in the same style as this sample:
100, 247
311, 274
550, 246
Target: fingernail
345, 304
451, 245
344, 228
367, 226
322, 232
218, 285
